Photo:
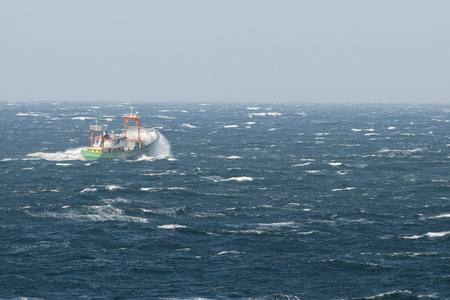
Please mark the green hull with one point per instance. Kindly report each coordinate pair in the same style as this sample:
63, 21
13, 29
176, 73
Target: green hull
89, 155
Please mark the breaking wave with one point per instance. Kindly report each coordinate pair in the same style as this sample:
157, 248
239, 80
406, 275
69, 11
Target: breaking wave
69, 154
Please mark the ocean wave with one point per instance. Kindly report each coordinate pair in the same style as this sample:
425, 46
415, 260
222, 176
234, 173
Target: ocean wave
171, 226
220, 179
440, 216
113, 187
429, 235
302, 165
69, 154
100, 213
88, 190
28, 114
391, 295
187, 125
83, 118
264, 114
242, 178
229, 252
344, 189
313, 172
165, 117
276, 224
401, 150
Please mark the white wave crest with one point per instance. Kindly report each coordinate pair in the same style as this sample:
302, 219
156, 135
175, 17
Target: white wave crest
69, 154
88, 190
220, 179
344, 189
171, 226
440, 216
83, 118
429, 234
187, 125
301, 165
273, 114
100, 213
29, 114
229, 252
242, 178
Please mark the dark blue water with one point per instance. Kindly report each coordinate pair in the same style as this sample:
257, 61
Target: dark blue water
234, 202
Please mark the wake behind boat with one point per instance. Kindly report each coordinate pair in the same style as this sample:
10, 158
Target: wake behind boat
133, 141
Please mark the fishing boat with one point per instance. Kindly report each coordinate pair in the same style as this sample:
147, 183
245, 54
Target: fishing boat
133, 141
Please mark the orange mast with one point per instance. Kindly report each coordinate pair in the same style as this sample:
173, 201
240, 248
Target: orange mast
133, 117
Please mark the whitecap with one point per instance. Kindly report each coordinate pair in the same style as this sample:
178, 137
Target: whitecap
440, 216
335, 164
29, 114
88, 190
94, 213
165, 117
63, 164
189, 125
313, 171
242, 178
429, 234
171, 226
306, 232
344, 189
69, 154
273, 114
385, 295
113, 187
253, 108
278, 224
302, 165
234, 157
83, 118
228, 252
230, 126
144, 158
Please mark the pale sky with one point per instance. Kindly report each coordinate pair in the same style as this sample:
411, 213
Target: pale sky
225, 51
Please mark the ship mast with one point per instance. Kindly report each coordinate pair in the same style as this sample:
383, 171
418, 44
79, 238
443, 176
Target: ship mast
133, 117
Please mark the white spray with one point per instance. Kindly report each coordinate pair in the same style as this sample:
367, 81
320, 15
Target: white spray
161, 148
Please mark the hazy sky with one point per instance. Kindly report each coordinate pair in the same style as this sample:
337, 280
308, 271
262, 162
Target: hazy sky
259, 51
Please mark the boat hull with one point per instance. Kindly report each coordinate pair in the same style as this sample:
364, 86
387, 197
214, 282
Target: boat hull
90, 155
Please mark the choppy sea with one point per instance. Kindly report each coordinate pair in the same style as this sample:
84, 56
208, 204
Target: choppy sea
234, 201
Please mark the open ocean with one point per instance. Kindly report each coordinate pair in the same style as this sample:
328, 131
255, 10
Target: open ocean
234, 202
